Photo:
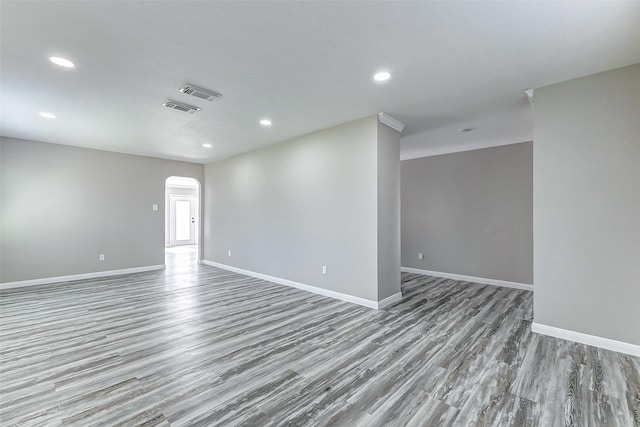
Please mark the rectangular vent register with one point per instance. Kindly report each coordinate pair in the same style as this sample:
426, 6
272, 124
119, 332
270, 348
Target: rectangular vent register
180, 106
199, 92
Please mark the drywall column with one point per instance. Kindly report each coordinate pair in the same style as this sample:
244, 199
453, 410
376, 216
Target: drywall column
587, 205
388, 212
289, 209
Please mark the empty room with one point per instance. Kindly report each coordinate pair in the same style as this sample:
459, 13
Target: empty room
319, 213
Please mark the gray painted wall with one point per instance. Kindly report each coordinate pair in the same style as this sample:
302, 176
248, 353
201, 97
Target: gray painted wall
470, 213
62, 206
1, 209
587, 205
388, 211
288, 209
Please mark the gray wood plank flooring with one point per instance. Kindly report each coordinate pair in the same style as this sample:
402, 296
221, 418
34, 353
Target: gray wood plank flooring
199, 346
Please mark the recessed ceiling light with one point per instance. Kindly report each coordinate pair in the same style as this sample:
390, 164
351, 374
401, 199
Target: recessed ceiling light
48, 115
207, 145
63, 62
465, 130
265, 122
381, 76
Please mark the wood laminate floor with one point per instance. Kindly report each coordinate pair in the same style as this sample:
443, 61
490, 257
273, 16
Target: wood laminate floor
196, 345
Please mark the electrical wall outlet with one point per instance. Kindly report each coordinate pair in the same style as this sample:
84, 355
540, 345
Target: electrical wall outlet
420, 255
101, 257
324, 269
154, 206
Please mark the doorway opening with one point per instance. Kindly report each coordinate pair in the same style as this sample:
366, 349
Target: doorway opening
182, 221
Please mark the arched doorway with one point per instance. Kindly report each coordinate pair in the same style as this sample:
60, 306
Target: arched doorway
182, 220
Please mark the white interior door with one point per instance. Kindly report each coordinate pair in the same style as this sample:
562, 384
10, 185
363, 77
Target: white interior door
183, 220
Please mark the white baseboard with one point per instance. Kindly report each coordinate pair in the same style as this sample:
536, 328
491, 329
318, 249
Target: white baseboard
51, 280
494, 282
579, 337
314, 289
390, 300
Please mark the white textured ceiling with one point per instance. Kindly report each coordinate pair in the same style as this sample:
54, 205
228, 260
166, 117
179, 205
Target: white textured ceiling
305, 65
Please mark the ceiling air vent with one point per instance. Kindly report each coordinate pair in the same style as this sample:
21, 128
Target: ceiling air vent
181, 106
199, 92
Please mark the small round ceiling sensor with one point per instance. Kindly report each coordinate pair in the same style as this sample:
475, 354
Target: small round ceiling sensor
464, 130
